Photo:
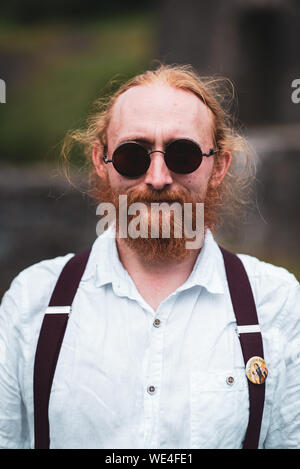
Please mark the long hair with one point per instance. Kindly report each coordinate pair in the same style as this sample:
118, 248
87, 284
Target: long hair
216, 94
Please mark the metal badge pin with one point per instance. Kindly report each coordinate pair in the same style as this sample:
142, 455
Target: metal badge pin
256, 370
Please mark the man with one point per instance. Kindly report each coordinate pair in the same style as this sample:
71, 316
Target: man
150, 356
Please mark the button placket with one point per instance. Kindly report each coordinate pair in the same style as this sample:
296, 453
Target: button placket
154, 375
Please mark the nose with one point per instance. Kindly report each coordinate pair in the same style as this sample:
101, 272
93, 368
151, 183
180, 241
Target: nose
158, 174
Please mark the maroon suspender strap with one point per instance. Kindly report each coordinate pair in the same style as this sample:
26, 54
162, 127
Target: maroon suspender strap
54, 326
251, 342
49, 344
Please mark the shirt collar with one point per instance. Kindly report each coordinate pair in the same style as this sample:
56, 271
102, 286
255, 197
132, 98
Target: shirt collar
104, 263
105, 266
208, 270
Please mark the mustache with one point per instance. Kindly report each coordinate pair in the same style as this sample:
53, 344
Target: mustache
150, 195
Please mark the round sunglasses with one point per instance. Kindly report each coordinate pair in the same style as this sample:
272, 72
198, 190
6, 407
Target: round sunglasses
132, 160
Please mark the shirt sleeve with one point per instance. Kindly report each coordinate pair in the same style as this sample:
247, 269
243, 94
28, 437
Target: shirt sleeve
284, 429
13, 423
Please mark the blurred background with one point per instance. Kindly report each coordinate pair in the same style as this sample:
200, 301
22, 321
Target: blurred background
57, 57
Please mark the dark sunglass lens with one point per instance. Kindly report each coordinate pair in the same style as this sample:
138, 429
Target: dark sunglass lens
183, 156
131, 160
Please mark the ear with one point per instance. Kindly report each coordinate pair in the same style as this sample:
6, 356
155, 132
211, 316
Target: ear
97, 154
221, 166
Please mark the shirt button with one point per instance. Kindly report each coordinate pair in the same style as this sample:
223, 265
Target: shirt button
230, 380
151, 389
157, 323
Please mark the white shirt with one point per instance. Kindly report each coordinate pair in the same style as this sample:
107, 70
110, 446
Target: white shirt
112, 353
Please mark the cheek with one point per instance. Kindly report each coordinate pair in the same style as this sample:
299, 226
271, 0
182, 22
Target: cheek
118, 182
197, 181
115, 179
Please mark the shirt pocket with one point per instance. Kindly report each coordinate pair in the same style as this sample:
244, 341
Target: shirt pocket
219, 408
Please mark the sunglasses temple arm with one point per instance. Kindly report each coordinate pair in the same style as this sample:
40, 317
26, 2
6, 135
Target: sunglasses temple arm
210, 153
104, 157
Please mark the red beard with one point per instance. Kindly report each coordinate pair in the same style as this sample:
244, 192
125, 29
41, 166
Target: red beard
161, 248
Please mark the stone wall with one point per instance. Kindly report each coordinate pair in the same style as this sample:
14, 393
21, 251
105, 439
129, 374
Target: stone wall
252, 42
41, 217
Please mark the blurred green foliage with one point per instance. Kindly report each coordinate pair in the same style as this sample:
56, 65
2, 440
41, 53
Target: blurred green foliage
54, 72
31, 11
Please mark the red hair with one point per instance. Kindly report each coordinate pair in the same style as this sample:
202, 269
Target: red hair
232, 192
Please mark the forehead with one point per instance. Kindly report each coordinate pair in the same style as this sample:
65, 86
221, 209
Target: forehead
160, 108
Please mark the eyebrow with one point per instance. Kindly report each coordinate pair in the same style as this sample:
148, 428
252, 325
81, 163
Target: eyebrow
150, 142
132, 138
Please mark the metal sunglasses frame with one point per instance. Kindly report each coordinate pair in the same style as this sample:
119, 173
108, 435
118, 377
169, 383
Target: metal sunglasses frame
210, 153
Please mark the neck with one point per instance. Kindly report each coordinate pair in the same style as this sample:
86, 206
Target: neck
137, 265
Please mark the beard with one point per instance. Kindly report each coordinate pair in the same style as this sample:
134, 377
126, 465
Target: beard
162, 248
